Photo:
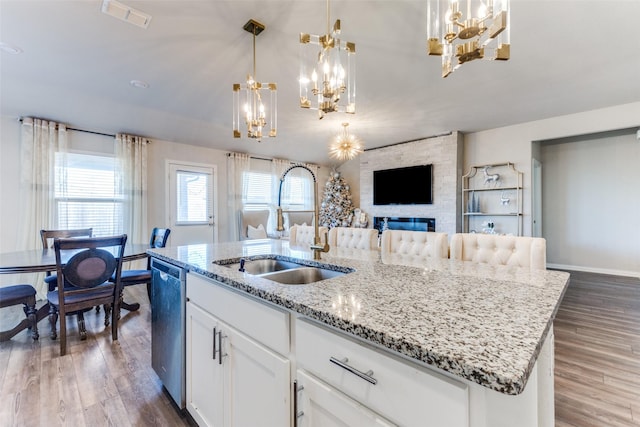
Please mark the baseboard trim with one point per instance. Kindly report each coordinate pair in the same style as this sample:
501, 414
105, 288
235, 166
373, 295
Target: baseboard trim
612, 272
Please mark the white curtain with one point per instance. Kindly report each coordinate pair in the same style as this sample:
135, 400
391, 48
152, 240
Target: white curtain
309, 186
237, 165
131, 158
40, 141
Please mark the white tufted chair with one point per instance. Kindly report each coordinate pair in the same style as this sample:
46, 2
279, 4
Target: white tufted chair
353, 238
251, 218
529, 252
403, 246
304, 234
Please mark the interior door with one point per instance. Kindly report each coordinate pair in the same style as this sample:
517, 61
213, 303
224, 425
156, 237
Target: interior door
192, 205
536, 202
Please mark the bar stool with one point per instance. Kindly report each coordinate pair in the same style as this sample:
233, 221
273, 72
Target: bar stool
20, 294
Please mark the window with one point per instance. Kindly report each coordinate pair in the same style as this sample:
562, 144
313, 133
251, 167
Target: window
88, 193
192, 197
256, 194
258, 191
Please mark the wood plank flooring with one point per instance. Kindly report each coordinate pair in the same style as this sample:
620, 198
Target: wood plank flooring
97, 383
597, 357
597, 352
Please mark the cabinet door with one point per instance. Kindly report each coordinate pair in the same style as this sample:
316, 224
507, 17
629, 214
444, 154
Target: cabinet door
259, 383
320, 405
205, 379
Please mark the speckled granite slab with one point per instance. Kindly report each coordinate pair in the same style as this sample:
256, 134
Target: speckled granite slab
479, 322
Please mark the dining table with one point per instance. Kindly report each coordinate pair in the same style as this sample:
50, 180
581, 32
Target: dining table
43, 260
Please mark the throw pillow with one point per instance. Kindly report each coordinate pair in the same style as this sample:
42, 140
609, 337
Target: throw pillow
256, 232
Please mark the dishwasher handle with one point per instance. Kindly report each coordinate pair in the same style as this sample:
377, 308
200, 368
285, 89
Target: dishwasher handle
166, 268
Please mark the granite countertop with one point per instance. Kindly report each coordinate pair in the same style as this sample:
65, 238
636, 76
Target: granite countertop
480, 322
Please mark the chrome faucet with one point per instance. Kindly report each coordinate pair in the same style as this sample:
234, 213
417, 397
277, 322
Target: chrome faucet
317, 246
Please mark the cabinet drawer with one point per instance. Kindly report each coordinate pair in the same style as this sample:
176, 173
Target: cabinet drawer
406, 394
260, 321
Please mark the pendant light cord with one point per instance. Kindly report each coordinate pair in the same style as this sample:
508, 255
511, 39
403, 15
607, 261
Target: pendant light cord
328, 19
255, 78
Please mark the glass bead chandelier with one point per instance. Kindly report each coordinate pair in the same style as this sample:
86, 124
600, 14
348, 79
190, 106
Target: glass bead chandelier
464, 30
249, 99
345, 146
327, 71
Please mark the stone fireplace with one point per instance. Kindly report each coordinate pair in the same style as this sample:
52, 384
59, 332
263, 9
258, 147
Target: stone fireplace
445, 154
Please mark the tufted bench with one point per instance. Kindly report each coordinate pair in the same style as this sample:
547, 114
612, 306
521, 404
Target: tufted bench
304, 234
528, 252
353, 238
413, 246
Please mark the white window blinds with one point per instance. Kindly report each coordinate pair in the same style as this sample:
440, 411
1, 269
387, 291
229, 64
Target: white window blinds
88, 193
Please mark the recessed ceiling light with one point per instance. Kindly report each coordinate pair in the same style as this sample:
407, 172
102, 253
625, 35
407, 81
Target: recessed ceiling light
125, 13
139, 83
14, 50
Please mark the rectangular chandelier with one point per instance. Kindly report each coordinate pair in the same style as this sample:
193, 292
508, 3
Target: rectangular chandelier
465, 30
327, 72
254, 103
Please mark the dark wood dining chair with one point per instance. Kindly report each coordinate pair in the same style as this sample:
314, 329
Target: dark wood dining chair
47, 237
158, 239
85, 281
25, 295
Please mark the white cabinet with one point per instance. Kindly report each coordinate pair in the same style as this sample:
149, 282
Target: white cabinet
402, 393
205, 386
320, 405
242, 354
232, 379
492, 199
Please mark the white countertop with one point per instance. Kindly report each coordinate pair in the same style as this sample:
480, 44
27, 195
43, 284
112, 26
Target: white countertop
480, 322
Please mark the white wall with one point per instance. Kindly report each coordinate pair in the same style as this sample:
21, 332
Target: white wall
591, 202
514, 144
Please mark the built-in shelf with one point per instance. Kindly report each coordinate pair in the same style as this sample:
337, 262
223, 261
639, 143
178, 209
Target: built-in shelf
499, 188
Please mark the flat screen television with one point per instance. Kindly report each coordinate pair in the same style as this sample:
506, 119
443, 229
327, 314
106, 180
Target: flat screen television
403, 186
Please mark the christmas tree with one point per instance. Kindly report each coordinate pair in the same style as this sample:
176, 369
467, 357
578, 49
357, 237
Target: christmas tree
336, 209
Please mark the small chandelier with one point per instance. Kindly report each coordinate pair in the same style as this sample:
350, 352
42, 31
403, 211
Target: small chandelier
345, 146
327, 75
248, 98
463, 30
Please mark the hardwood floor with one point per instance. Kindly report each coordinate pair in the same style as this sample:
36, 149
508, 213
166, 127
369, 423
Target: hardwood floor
597, 352
98, 382
597, 357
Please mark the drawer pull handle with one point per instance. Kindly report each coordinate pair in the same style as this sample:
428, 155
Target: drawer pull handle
214, 343
367, 376
220, 347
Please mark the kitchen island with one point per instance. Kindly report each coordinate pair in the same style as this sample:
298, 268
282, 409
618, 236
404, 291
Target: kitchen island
484, 330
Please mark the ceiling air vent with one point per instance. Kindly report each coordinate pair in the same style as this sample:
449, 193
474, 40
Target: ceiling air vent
126, 13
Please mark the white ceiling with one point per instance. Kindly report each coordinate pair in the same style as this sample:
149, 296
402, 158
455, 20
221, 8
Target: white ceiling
566, 57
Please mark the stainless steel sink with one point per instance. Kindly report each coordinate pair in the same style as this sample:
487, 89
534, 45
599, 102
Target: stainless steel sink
261, 266
302, 275
284, 271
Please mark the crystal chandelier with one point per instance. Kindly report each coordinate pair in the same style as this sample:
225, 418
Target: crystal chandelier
249, 99
345, 146
327, 71
463, 30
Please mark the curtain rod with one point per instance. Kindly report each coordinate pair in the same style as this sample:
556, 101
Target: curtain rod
20, 119
272, 159
406, 142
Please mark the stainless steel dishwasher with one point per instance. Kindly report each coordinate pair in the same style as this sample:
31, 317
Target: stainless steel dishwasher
168, 305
